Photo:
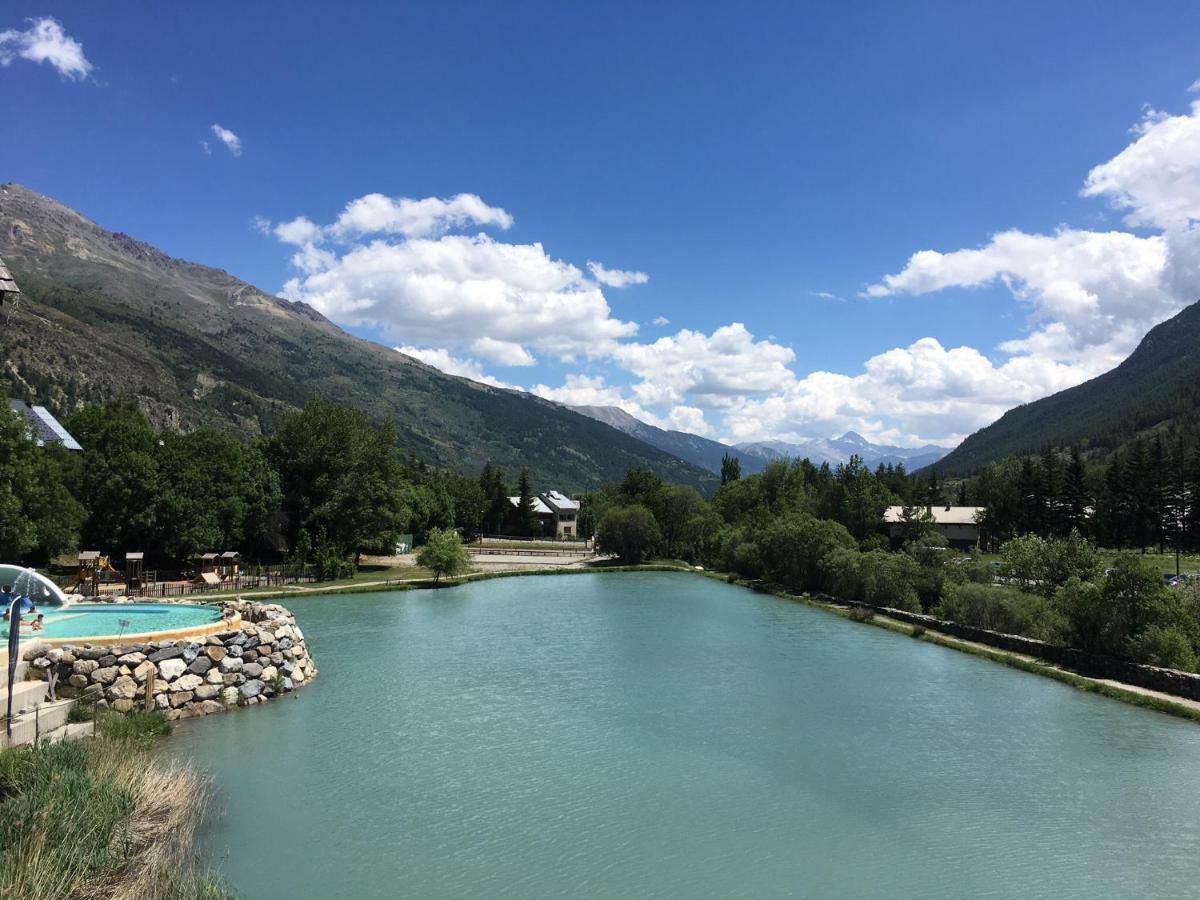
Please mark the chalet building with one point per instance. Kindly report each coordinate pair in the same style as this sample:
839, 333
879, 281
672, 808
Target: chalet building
959, 524
46, 429
556, 513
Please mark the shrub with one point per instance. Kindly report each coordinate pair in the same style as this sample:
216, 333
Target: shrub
794, 547
1170, 648
631, 532
1044, 565
1003, 609
861, 614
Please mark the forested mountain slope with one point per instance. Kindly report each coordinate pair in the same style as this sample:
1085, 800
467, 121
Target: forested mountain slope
104, 315
1158, 384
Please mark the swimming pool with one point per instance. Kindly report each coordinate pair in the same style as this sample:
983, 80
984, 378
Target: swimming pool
113, 619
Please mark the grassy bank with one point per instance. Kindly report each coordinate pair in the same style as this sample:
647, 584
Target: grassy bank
101, 818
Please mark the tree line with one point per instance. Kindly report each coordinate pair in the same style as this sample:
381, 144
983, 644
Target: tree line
1142, 496
327, 486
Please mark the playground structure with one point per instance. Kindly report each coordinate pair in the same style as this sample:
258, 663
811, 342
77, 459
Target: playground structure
94, 573
216, 568
137, 579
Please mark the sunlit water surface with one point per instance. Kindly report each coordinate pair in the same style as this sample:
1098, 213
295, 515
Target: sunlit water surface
671, 736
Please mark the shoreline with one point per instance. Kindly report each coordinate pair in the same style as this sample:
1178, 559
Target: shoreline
1170, 704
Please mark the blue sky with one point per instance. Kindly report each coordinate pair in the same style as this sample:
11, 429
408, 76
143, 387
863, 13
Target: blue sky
766, 166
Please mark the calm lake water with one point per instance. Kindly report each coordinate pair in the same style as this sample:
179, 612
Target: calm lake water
671, 736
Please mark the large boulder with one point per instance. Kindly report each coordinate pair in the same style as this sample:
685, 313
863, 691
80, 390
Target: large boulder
105, 675
188, 682
124, 688
252, 688
172, 668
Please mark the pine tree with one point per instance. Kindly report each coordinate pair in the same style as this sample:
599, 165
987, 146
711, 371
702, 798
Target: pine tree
731, 469
1159, 501
1075, 500
1050, 508
1192, 481
526, 518
1139, 489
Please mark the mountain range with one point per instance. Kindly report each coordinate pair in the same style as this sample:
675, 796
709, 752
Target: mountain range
754, 456
103, 315
840, 449
1158, 385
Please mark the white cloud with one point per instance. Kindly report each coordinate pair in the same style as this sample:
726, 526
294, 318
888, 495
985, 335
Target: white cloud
616, 278
298, 231
906, 395
45, 41
661, 320
825, 295
452, 365
504, 353
1104, 289
432, 216
206, 147
706, 370
1157, 177
458, 290
232, 142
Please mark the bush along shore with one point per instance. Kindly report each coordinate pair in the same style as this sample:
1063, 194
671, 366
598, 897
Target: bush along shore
101, 818
266, 656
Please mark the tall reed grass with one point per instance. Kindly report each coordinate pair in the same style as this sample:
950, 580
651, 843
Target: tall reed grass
101, 818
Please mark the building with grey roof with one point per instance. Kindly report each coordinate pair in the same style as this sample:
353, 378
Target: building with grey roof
46, 429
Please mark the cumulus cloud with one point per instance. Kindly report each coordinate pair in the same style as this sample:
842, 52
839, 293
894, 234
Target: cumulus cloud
459, 289
452, 365
232, 142
1156, 179
661, 320
45, 41
431, 216
504, 353
616, 278
906, 395
299, 231
705, 370
499, 300
1095, 289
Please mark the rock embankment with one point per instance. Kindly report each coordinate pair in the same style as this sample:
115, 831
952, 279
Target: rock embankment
265, 657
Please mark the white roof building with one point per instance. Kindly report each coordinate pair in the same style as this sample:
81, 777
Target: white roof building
942, 515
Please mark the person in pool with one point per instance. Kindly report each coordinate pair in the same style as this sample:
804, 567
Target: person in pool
9, 599
37, 624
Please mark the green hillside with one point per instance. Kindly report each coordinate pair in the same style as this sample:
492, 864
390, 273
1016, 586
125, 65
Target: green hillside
105, 316
1157, 385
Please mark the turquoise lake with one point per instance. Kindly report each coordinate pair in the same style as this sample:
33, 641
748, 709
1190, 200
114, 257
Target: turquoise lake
667, 735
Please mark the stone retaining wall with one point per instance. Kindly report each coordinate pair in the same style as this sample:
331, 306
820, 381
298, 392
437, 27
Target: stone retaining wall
263, 657
1168, 681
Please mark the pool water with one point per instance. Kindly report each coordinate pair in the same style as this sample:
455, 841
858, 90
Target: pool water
98, 620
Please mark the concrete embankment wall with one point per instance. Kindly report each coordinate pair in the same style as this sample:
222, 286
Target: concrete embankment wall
1169, 681
260, 655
